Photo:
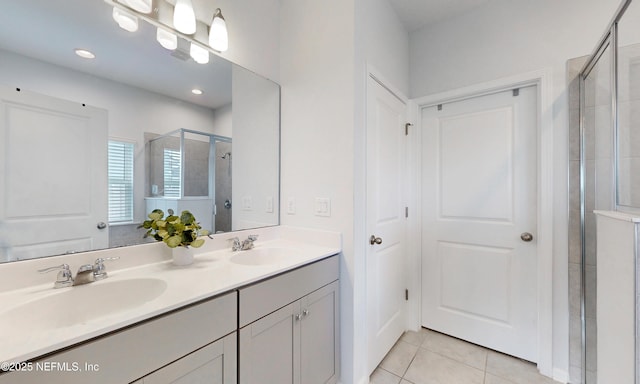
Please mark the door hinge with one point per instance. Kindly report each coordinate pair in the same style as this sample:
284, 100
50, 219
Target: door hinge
516, 92
406, 295
406, 128
439, 107
406, 211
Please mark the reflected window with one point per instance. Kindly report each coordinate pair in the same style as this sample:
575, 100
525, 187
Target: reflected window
120, 181
172, 167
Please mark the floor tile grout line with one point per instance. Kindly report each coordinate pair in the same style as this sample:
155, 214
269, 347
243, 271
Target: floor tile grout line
456, 360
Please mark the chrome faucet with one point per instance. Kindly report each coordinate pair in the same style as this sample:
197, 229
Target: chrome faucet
86, 274
243, 245
64, 279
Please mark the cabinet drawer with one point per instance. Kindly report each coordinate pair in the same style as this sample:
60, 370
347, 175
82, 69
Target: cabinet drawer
129, 354
262, 298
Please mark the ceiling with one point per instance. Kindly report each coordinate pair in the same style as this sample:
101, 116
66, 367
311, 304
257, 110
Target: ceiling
416, 14
50, 30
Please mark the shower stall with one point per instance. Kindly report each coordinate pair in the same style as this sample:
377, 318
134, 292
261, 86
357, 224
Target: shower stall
609, 186
191, 170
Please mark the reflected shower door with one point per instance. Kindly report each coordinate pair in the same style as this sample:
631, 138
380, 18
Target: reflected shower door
223, 182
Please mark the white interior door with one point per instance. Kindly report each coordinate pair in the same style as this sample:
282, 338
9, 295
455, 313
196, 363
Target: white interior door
479, 206
386, 222
53, 179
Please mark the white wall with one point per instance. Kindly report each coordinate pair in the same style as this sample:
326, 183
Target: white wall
325, 48
317, 80
254, 40
256, 131
132, 111
506, 38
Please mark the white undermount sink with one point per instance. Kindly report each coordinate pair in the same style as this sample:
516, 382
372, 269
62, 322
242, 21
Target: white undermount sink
80, 304
263, 256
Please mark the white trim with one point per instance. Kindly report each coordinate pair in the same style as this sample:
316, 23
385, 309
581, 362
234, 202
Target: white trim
542, 79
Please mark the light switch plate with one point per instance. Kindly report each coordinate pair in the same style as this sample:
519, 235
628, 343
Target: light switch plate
247, 203
291, 206
323, 206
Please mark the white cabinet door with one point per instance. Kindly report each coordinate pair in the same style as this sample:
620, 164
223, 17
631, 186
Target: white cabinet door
295, 344
213, 364
319, 336
269, 352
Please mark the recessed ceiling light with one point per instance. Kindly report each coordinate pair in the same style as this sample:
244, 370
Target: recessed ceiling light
197, 91
85, 54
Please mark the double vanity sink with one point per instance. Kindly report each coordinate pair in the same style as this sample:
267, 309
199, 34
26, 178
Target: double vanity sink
36, 320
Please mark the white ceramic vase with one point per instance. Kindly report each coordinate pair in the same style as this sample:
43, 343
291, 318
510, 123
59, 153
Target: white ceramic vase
182, 255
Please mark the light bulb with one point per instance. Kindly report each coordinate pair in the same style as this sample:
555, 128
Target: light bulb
143, 6
167, 39
218, 36
184, 17
125, 20
199, 54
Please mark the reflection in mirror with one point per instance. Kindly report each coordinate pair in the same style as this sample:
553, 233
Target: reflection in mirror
78, 131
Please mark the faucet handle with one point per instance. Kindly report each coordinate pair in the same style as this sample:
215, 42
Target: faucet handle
236, 243
99, 270
252, 237
64, 279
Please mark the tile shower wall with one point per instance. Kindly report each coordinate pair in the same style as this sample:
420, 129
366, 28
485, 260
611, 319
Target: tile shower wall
598, 161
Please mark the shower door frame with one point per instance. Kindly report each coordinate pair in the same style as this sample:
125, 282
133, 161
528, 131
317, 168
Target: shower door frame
608, 40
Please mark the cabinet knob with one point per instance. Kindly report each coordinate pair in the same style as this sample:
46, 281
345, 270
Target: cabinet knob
298, 317
305, 313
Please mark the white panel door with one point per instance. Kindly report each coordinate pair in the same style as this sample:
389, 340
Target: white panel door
478, 204
53, 181
386, 222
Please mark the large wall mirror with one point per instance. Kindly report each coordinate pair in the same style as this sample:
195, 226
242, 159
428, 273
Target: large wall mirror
88, 146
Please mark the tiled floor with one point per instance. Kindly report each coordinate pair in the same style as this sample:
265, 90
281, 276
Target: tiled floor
428, 357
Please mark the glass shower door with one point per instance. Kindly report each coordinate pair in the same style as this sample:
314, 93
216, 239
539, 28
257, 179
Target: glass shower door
597, 182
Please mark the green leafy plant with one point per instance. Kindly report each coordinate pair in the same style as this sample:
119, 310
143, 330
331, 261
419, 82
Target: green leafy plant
175, 231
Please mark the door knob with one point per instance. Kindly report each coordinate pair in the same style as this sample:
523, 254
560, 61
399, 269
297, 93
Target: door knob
526, 236
375, 240
102, 225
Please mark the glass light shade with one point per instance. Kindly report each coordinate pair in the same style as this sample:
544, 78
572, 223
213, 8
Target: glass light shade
143, 6
85, 54
184, 17
199, 54
167, 39
218, 36
125, 20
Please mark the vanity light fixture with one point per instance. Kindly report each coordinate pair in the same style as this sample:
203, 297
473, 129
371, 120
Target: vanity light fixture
184, 17
218, 35
167, 39
197, 91
84, 53
143, 6
125, 20
199, 54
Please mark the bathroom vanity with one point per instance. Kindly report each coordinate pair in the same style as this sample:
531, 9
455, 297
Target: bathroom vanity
267, 315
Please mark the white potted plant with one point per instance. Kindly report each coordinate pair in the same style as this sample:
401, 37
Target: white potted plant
180, 233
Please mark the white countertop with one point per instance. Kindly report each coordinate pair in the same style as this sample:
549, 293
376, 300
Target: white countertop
211, 274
